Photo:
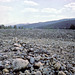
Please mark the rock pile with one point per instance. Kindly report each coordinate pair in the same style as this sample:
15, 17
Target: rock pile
31, 60
37, 52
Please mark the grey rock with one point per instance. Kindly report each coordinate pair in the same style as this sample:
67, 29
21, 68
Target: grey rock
69, 66
54, 56
3, 56
32, 60
57, 66
27, 72
17, 48
7, 62
20, 73
73, 63
73, 69
1, 65
32, 69
45, 70
38, 58
31, 49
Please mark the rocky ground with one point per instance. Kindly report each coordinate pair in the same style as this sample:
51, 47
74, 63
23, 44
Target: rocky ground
37, 52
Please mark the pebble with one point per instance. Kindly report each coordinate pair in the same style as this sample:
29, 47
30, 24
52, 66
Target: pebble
69, 66
57, 66
45, 70
38, 64
1, 65
17, 45
54, 56
5, 70
73, 69
27, 72
38, 58
32, 60
20, 73
73, 63
61, 73
17, 48
38, 73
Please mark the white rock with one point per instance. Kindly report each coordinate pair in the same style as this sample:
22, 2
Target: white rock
17, 48
38, 64
61, 73
27, 72
6, 70
38, 73
19, 63
17, 45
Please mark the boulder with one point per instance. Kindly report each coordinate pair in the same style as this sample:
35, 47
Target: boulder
19, 63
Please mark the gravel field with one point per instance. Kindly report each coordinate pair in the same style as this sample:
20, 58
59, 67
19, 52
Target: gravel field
37, 52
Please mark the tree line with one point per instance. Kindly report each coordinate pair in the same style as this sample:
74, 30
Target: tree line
72, 26
10, 27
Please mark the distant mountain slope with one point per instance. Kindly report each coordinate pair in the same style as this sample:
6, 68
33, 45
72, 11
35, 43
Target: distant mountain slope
64, 23
60, 24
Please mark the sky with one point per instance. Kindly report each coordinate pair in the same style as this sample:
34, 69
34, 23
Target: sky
32, 11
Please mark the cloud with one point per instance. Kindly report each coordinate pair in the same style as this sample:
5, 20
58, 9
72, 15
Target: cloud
20, 13
5, 0
46, 14
70, 6
50, 10
67, 11
31, 3
4, 14
67, 0
50, 16
5, 8
43, 18
30, 10
8, 0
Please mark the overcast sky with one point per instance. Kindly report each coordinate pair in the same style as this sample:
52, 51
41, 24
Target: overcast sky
31, 11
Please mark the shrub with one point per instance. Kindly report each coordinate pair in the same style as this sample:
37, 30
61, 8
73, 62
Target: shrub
72, 26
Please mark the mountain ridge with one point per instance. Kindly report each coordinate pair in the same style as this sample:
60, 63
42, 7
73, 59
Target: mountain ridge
57, 24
